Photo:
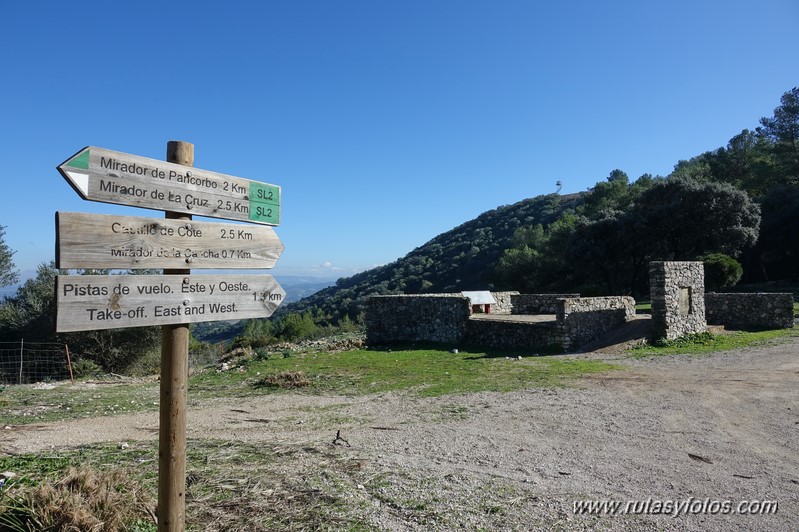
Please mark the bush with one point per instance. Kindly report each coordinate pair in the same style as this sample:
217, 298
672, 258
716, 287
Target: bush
346, 324
721, 271
148, 363
257, 333
204, 355
295, 327
85, 368
261, 354
285, 379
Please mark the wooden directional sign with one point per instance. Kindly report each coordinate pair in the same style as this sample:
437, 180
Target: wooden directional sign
129, 242
108, 176
90, 302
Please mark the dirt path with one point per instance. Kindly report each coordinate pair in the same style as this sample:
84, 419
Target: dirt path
719, 427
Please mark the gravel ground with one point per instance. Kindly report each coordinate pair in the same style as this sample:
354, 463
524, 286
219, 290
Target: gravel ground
685, 429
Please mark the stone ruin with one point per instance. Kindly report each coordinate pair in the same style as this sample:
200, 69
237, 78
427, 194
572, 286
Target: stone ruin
552, 322
677, 292
566, 322
680, 305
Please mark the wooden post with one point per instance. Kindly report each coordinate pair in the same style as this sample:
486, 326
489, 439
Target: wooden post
21, 351
69, 364
174, 381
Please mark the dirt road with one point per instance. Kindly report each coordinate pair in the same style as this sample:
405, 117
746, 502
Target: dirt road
670, 430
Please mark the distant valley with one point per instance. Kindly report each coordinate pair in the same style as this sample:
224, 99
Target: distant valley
298, 287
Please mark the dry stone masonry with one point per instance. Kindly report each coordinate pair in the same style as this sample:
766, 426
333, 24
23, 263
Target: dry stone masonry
754, 310
565, 322
569, 322
584, 319
504, 302
506, 334
410, 318
677, 291
538, 303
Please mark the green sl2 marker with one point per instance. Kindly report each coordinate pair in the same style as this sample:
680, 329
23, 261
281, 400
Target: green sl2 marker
264, 203
80, 161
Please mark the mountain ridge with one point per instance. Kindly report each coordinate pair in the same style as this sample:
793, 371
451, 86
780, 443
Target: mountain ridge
456, 260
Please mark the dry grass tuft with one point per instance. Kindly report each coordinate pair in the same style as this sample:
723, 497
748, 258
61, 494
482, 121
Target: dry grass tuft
84, 499
286, 379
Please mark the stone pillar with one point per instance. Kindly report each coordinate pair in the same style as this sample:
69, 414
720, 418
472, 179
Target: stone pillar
677, 291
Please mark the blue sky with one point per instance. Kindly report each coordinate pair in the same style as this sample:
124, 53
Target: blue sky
385, 122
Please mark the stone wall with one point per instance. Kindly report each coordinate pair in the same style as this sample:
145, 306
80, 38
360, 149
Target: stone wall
513, 334
537, 303
438, 318
677, 292
581, 320
444, 318
759, 310
504, 303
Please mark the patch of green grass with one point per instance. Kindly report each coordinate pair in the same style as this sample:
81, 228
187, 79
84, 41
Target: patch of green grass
427, 372
709, 343
28, 404
32, 467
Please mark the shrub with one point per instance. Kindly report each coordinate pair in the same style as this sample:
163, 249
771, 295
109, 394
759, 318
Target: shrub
721, 271
148, 363
257, 333
85, 368
297, 327
261, 354
285, 379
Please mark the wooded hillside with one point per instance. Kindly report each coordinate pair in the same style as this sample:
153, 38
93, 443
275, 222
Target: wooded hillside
736, 208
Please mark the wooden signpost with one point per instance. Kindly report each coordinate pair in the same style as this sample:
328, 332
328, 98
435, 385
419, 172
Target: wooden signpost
126, 242
109, 176
176, 243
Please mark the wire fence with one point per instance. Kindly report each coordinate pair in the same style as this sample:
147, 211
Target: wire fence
27, 362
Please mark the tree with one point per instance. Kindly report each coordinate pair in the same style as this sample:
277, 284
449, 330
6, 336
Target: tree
614, 194
29, 313
777, 251
673, 219
535, 261
295, 326
682, 218
783, 130
115, 350
8, 275
257, 333
694, 168
518, 269
747, 162
607, 255
608, 195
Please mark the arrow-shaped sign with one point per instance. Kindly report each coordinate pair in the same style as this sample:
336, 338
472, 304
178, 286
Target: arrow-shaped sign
133, 242
91, 302
108, 176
